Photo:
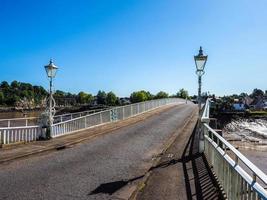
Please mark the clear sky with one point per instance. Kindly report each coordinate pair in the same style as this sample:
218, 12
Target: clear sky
128, 45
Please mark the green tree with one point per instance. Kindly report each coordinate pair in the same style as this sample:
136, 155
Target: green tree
12, 99
85, 98
2, 98
15, 85
182, 94
111, 99
59, 93
4, 85
161, 95
139, 96
101, 97
149, 95
257, 93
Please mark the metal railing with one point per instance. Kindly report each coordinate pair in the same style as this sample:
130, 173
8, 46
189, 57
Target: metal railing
33, 121
25, 134
107, 116
69, 123
239, 177
69, 116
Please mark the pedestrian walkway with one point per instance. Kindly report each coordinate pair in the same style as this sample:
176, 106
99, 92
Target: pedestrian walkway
183, 173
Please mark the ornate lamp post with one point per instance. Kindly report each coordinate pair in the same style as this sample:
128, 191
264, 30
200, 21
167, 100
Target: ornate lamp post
51, 70
200, 61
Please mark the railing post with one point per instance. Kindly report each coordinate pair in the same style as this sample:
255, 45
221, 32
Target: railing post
4, 137
254, 177
64, 127
201, 136
236, 159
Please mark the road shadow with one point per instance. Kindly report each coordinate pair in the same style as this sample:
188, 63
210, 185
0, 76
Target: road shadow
111, 187
202, 183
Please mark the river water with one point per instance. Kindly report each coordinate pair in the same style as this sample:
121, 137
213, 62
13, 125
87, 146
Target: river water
17, 114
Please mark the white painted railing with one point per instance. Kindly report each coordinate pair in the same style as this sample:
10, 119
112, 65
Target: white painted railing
72, 122
33, 121
25, 134
107, 116
239, 177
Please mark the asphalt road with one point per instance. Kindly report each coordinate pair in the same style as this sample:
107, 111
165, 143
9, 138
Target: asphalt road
95, 169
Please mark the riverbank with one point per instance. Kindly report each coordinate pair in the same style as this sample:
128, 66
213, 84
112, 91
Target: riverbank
11, 112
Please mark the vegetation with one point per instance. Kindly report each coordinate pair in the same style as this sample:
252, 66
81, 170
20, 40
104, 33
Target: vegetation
161, 95
112, 100
182, 94
101, 97
140, 96
17, 92
84, 98
257, 112
225, 103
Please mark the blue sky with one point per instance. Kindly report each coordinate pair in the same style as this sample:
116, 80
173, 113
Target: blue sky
128, 45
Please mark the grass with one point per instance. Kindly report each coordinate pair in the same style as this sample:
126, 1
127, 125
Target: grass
258, 112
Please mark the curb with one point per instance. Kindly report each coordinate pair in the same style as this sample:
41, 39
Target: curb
141, 185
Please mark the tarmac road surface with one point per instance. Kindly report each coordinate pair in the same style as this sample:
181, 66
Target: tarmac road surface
100, 168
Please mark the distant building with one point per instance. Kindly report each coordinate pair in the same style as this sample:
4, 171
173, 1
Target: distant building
125, 101
247, 100
259, 104
239, 106
65, 101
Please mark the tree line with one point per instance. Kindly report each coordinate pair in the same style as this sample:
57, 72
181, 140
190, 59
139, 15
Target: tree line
225, 103
15, 92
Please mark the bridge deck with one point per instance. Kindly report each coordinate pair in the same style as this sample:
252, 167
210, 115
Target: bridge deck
111, 166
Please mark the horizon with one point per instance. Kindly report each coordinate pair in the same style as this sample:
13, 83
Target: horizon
170, 94
135, 45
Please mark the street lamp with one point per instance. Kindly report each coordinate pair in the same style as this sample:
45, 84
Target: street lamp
51, 71
200, 61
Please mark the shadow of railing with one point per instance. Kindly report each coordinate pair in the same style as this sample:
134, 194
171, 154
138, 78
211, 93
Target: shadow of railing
200, 182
